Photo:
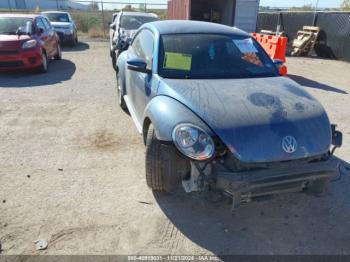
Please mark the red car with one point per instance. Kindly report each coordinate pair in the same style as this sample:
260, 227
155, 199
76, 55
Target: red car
27, 42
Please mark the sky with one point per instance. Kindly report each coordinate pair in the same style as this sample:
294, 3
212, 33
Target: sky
272, 3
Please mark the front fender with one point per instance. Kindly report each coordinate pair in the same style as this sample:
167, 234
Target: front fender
165, 113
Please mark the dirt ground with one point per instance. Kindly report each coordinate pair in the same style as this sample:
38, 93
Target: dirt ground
72, 173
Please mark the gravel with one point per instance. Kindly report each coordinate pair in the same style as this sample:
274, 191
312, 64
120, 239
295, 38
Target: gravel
87, 192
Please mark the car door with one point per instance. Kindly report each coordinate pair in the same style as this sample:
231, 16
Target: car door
112, 31
43, 35
142, 86
51, 36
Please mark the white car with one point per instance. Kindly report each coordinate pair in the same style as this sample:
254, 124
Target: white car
123, 29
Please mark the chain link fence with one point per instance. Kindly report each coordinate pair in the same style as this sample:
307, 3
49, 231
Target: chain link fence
334, 38
92, 17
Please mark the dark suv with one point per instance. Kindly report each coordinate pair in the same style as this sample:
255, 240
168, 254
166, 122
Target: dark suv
123, 29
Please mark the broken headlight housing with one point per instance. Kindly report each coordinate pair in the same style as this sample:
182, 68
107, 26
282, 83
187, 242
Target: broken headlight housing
193, 142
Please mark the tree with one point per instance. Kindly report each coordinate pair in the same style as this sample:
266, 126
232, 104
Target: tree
142, 7
345, 5
93, 6
128, 8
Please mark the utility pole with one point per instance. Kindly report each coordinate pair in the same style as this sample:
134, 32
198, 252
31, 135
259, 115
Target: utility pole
103, 19
315, 13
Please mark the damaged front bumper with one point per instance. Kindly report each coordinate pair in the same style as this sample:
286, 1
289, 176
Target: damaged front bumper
246, 185
243, 186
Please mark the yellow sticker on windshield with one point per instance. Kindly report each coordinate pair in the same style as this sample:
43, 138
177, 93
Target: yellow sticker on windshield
177, 61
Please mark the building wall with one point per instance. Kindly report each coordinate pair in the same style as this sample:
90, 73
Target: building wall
240, 13
246, 14
178, 9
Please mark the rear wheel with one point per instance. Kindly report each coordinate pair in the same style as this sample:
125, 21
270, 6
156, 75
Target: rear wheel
44, 63
114, 60
58, 55
162, 172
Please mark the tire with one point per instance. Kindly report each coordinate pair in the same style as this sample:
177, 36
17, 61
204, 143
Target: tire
74, 42
114, 62
44, 66
162, 173
58, 55
120, 92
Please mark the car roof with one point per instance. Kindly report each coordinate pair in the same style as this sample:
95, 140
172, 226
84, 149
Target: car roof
139, 14
31, 16
188, 27
54, 12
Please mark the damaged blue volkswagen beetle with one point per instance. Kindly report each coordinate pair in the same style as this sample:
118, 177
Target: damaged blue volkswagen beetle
215, 114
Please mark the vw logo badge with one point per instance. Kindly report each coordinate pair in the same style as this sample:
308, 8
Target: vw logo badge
289, 144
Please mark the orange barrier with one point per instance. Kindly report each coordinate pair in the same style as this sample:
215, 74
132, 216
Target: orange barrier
275, 46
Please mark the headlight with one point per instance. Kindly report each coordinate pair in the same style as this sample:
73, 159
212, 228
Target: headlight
29, 44
68, 31
193, 142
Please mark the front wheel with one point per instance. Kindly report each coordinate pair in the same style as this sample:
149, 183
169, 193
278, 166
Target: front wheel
44, 63
162, 170
58, 55
121, 100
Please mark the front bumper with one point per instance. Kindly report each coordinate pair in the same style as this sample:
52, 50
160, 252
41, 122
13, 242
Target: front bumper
246, 185
65, 38
23, 59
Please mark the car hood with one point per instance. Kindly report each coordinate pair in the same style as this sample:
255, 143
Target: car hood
12, 42
13, 38
253, 116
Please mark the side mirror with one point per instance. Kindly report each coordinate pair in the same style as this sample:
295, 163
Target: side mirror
40, 30
280, 66
337, 137
112, 26
138, 65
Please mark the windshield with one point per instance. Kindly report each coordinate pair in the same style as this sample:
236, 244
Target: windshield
57, 17
213, 56
15, 25
129, 22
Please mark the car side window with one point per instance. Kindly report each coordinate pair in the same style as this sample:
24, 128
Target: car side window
142, 46
46, 23
40, 24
